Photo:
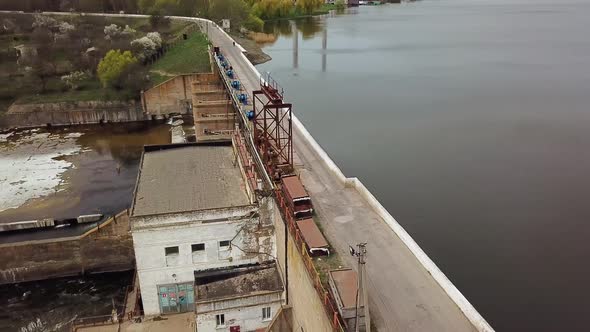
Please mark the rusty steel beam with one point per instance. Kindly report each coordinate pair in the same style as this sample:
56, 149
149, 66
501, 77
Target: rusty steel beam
273, 128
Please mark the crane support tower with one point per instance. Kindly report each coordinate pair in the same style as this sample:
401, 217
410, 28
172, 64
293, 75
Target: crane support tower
273, 128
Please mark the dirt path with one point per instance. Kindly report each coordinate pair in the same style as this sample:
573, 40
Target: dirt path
163, 73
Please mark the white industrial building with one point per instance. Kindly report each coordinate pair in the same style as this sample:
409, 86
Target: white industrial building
196, 228
248, 297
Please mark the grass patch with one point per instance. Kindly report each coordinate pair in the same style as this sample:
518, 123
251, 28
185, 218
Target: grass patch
325, 9
325, 264
187, 56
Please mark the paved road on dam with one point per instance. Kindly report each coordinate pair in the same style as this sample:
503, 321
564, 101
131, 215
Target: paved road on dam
403, 296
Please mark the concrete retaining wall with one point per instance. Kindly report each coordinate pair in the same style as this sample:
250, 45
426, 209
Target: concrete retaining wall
171, 96
70, 113
211, 95
307, 311
175, 94
107, 249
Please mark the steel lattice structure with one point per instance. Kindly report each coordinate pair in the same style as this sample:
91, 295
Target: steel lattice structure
273, 128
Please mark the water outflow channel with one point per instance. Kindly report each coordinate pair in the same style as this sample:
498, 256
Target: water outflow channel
469, 121
62, 173
70, 171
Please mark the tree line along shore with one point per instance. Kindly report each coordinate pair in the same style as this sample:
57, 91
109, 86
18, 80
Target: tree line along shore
47, 58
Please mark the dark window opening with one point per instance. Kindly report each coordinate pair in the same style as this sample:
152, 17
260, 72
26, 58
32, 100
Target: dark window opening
171, 251
198, 247
220, 319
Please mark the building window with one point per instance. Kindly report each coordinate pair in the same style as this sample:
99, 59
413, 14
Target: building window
171, 255
199, 253
198, 247
220, 320
266, 313
171, 251
224, 250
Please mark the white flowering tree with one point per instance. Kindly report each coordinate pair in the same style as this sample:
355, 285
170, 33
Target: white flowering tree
128, 31
66, 28
155, 37
145, 47
65, 31
73, 79
112, 31
43, 21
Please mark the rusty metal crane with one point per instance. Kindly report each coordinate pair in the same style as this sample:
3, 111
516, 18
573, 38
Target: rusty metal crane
273, 129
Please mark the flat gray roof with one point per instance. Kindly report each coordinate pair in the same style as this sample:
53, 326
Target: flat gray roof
183, 178
262, 280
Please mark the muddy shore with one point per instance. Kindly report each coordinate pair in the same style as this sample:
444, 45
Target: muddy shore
253, 52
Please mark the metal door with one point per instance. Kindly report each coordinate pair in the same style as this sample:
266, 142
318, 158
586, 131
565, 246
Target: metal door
186, 297
167, 296
176, 298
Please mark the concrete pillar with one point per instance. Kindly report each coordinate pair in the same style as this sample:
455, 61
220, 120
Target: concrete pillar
324, 47
295, 45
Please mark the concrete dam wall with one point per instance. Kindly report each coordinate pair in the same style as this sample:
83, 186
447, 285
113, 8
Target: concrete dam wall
72, 113
106, 248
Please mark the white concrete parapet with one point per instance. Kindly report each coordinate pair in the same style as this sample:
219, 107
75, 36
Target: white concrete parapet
29, 224
87, 218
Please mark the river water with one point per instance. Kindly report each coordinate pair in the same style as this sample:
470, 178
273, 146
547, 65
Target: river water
62, 173
52, 305
66, 172
468, 119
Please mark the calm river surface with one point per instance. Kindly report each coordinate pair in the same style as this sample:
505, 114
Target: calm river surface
470, 121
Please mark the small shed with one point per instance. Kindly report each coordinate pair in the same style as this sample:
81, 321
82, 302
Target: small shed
343, 284
24, 52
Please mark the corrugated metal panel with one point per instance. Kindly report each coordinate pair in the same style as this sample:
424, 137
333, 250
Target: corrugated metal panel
311, 234
346, 283
294, 187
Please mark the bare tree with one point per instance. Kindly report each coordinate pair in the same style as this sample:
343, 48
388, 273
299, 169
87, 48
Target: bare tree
42, 63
